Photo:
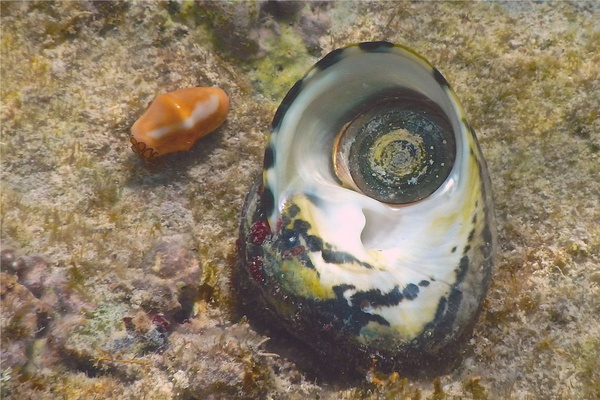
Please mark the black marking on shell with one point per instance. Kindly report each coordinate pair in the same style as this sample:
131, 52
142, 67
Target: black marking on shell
446, 322
314, 243
341, 257
301, 226
285, 104
377, 299
352, 318
437, 75
339, 290
269, 158
411, 291
289, 239
466, 249
471, 235
439, 312
424, 283
268, 202
453, 250
292, 210
329, 59
289, 245
337, 257
445, 314
376, 47
461, 271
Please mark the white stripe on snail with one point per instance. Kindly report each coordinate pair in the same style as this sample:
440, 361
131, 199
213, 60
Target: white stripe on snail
202, 110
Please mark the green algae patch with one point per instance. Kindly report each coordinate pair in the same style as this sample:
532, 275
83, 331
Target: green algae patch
91, 338
587, 364
286, 62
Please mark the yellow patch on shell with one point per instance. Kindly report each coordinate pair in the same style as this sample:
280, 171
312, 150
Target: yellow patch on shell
176, 120
303, 281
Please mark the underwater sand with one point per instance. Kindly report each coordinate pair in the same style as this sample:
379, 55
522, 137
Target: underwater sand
115, 274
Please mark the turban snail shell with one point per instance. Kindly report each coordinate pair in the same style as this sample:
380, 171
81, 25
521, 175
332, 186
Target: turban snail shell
371, 232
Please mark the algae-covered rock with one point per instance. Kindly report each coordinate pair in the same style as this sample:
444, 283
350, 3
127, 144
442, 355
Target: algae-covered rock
22, 317
235, 27
225, 362
119, 283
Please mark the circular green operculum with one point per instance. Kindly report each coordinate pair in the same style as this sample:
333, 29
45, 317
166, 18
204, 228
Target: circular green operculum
400, 150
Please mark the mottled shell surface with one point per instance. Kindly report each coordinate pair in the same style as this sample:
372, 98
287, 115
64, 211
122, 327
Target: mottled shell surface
371, 232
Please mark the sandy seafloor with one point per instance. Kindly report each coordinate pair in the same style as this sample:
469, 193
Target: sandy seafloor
115, 274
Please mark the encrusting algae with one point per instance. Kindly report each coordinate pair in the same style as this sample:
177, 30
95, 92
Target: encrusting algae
175, 121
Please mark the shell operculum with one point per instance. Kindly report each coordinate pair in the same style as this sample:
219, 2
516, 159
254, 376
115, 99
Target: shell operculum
399, 150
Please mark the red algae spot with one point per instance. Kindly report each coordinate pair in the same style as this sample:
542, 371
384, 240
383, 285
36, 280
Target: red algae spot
175, 121
294, 252
160, 322
279, 225
255, 269
259, 231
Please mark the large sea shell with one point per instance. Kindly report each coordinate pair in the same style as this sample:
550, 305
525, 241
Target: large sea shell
371, 233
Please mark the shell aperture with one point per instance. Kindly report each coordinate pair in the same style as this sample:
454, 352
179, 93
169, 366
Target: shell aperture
371, 230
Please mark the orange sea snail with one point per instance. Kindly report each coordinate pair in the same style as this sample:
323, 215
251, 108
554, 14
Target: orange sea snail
176, 120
